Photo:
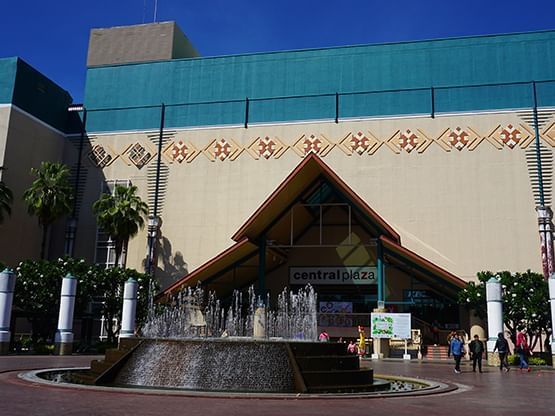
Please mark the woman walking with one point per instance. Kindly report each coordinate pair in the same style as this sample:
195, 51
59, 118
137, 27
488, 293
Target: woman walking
523, 350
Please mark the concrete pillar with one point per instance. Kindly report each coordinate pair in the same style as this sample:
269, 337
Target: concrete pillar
64, 335
552, 302
129, 309
495, 317
545, 225
380, 346
7, 286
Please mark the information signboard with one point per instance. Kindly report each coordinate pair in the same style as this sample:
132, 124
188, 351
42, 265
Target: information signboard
390, 325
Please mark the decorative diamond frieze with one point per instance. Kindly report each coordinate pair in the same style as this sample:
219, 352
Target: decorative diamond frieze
409, 140
139, 155
266, 147
511, 136
312, 143
179, 151
549, 134
458, 138
359, 143
99, 156
222, 149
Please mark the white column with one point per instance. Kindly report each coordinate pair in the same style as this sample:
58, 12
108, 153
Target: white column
495, 315
552, 302
7, 286
64, 335
129, 309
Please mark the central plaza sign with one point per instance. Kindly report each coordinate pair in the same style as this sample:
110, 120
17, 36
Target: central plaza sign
338, 275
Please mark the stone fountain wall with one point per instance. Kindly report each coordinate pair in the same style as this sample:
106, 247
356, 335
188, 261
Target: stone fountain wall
210, 364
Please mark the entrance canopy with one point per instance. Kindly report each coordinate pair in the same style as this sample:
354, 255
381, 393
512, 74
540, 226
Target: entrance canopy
313, 216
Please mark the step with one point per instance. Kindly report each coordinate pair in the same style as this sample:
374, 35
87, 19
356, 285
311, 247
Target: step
328, 363
399, 353
98, 367
85, 378
114, 355
350, 388
318, 348
339, 377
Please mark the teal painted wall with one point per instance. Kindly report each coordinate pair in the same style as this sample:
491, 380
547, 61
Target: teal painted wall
25, 87
439, 63
8, 68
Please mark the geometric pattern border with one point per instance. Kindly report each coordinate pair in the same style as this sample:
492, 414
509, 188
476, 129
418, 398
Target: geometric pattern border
359, 143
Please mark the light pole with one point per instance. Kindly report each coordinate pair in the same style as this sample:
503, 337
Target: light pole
545, 214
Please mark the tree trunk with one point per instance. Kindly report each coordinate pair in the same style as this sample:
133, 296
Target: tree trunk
123, 254
43, 243
119, 249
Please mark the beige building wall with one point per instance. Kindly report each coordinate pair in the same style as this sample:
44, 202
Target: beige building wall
25, 142
456, 188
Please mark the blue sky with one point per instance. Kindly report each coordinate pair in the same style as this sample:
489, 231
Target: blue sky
53, 36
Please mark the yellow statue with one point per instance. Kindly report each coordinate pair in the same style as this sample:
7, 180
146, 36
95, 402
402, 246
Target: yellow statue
361, 341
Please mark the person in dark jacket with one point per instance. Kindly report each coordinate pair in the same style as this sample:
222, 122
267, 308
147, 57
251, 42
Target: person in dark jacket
502, 346
457, 350
476, 348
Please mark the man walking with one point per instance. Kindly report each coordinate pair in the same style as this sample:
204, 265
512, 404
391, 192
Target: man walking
502, 346
476, 348
457, 349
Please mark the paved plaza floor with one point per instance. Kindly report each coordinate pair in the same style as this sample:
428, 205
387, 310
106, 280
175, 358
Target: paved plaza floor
490, 393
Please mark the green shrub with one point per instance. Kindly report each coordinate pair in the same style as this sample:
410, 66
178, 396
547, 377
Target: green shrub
43, 348
536, 361
513, 359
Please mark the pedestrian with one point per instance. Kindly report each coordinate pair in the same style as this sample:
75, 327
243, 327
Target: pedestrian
449, 338
457, 350
352, 347
502, 346
476, 348
324, 336
523, 350
435, 332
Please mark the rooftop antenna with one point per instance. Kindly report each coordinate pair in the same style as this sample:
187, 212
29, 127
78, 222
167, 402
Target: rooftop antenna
155, 9
144, 11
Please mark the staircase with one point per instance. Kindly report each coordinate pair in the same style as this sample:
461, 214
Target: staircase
104, 370
439, 352
327, 367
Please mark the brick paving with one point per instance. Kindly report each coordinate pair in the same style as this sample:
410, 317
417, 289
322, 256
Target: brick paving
491, 393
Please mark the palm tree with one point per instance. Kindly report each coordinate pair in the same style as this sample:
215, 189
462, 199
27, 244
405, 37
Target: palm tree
121, 215
49, 197
6, 198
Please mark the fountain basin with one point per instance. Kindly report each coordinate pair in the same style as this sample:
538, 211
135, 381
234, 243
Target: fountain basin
234, 365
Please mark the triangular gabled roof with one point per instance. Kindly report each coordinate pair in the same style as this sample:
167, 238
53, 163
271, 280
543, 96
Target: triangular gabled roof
392, 247
298, 181
303, 177
238, 251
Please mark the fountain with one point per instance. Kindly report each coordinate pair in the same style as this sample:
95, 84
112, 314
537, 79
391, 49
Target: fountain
195, 343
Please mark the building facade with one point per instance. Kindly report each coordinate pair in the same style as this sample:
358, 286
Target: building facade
436, 137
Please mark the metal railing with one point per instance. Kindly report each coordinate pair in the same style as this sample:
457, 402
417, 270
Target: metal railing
336, 106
